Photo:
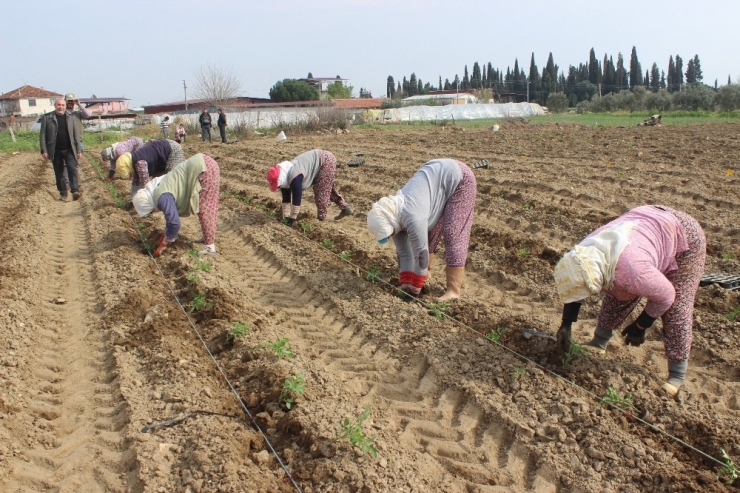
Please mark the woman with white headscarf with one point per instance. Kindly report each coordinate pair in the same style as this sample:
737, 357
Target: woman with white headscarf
118, 149
192, 187
437, 201
155, 158
317, 168
651, 252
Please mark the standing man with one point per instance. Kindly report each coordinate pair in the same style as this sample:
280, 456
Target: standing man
166, 127
205, 125
71, 100
222, 125
61, 143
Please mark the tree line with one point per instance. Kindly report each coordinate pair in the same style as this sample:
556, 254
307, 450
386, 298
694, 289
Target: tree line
581, 83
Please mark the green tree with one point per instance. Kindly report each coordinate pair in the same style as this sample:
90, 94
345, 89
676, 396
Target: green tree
475, 80
655, 78
466, 79
621, 75
690, 72
557, 102
694, 97
671, 83
635, 70
594, 71
292, 90
697, 69
390, 90
337, 90
413, 85
728, 97
678, 80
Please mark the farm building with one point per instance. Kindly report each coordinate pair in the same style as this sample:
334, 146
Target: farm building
27, 101
104, 106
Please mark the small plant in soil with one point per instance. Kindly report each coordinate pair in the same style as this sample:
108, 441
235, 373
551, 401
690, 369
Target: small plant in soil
733, 314
292, 388
728, 472
148, 246
527, 206
403, 295
439, 310
495, 335
345, 255
622, 403
728, 256
305, 226
327, 243
373, 274
192, 277
280, 347
240, 329
199, 302
519, 372
199, 264
574, 352
523, 252
352, 431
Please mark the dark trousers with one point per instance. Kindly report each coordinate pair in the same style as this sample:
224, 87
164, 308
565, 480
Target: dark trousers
65, 160
222, 131
205, 130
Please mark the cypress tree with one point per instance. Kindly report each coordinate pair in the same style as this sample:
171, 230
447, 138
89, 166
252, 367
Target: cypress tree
635, 70
390, 87
697, 69
621, 75
690, 72
678, 81
594, 74
466, 79
412, 85
655, 78
440, 83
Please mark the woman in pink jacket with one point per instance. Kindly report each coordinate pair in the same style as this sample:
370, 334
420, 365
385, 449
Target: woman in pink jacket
651, 252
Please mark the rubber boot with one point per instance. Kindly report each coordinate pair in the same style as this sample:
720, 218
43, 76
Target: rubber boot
286, 210
676, 377
455, 277
347, 211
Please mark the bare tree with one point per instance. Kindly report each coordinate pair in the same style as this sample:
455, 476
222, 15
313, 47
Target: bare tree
216, 85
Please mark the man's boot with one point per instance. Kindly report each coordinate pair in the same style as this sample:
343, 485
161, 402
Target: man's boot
455, 277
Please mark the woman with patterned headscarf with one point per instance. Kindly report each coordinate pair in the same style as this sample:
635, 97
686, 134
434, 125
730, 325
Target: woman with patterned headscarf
651, 252
437, 201
118, 149
190, 188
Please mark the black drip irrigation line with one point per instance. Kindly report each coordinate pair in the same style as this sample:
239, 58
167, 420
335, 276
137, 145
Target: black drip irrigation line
205, 346
524, 358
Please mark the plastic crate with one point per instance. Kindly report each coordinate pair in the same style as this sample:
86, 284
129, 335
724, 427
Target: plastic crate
726, 281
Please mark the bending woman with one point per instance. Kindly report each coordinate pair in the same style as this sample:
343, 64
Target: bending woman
317, 168
651, 252
191, 188
437, 201
151, 160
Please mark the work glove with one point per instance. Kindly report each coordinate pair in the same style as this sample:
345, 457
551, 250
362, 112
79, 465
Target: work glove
161, 246
634, 333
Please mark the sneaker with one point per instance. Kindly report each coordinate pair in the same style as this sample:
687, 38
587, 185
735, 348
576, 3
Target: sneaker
347, 211
76, 195
63, 198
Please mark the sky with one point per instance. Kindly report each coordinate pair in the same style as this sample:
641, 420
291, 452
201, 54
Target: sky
144, 49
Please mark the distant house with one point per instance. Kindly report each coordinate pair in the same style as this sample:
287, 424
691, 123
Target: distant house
27, 101
318, 83
197, 105
104, 106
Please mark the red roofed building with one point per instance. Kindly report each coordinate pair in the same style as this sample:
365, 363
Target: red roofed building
27, 101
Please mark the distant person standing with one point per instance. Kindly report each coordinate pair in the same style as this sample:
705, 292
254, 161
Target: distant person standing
166, 127
60, 142
205, 125
222, 125
70, 102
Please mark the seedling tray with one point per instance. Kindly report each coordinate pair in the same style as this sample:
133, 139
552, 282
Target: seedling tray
726, 281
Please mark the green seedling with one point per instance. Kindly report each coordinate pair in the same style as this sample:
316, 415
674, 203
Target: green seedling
495, 335
279, 347
728, 256
199, 264
327, 243
403, 295
439, 310
148, 247
261, 207
305, 226
240, 329
519, 372
523, 252
192, 277
613, 398
352, 431
345, 255
733, 314
373, 274
199, 302
292, 388
527, 206
574, 352
728, 472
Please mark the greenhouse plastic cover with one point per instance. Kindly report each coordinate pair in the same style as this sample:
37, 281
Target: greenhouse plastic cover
274, 118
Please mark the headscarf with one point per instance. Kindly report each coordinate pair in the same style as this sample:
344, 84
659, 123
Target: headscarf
277, 176
124, 166
590, 266
143, 200
383, 220
107, 154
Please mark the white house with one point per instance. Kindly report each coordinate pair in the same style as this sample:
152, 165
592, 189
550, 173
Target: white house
27, 101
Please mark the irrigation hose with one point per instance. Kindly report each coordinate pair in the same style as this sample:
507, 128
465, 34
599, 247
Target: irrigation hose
205, 346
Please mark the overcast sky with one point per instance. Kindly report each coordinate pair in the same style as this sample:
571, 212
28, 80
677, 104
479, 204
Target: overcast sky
143, 49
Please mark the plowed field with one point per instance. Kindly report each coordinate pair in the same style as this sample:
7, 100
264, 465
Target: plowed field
98, 340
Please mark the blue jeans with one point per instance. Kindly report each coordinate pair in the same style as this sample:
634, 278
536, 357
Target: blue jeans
65, 160
205, 130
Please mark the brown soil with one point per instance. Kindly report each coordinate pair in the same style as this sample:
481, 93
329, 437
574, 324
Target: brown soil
82, 376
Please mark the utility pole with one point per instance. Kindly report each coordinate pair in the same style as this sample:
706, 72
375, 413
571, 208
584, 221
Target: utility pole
184, 86
457, 93
528, 83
